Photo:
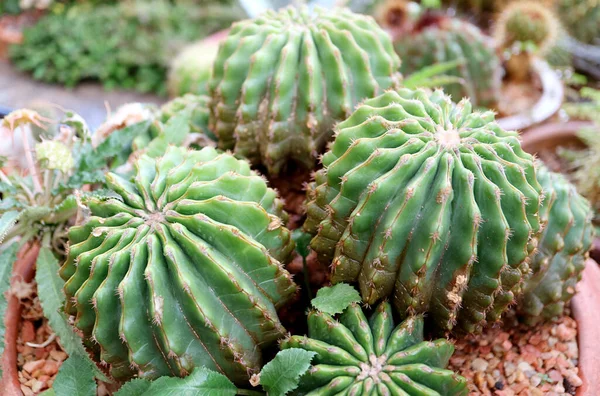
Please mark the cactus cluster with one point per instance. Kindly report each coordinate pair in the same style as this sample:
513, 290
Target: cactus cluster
430, 202
562, 250
438, 39
356, 356
183, 269
581, 18
527, 23
281, 81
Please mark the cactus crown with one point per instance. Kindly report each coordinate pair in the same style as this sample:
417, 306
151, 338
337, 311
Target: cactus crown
182, 269
430, 202
282, 80
436, 38
359, 357
562, 249
527, 22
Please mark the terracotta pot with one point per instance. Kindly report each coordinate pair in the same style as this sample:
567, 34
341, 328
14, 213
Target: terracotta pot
586, 310
547, 105
23, 270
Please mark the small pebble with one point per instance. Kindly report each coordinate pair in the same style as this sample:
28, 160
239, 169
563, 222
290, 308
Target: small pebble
479, 365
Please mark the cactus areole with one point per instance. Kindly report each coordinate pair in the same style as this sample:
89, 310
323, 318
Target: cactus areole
281, 81
429, 202
355, 356
182, 269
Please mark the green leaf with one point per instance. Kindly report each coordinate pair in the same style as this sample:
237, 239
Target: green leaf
52, 298
302, 240
423, 77
7, 259
135, 387
282, 374
201, 382
7, 221
335, 299
75, 378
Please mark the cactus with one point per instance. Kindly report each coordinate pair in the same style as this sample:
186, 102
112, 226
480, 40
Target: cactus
183, 269
359, 357
282, 80
437, 39
563, 248
430, 202
581, 18
524, 23
190, 70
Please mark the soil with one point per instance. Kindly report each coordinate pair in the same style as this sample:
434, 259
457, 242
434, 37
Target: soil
39, 354
515, 359
517, 96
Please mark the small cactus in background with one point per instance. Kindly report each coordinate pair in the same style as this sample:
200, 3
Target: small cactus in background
562, 250
359, 357
581, 18
190, 70
438, 39
281, 81
430, 202
527, 24
183, 269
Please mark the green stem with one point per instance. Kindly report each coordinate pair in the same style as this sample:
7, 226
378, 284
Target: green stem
306, 281
249, 392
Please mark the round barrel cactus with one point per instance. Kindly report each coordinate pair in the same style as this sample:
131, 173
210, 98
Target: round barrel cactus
562, 250
429, 202
527, 22
282, 80
359, 357
437, 39
581, 18
184, 268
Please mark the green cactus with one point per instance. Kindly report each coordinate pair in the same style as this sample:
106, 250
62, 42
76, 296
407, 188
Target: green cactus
430, 202
359, 357
183, 269
438, 39
563, 248
182, 121
581, 18
190, 70
527, 23
281, 81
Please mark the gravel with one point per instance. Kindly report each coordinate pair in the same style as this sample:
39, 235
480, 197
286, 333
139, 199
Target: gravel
514, 359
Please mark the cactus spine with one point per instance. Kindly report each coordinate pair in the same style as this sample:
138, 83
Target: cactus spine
281, 81
563, 248
438, 39
406, 172
184, 269
359, 357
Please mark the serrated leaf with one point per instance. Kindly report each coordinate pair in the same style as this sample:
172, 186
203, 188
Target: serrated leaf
7, 221
201, 382
52, 298
135, 387
7, 259
335, 299
75, 378
282, 374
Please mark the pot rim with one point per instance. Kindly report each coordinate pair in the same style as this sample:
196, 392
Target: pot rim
551, 131
547, 105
